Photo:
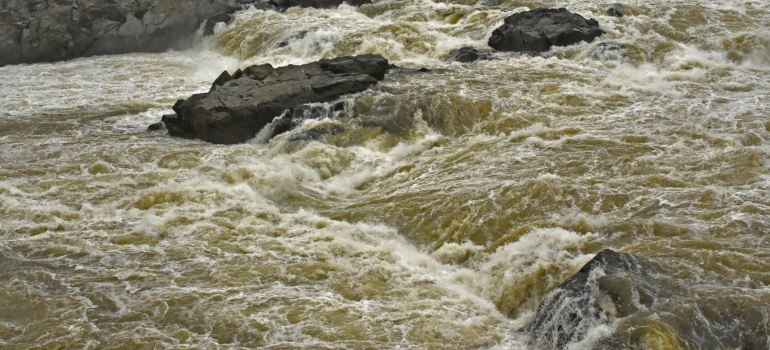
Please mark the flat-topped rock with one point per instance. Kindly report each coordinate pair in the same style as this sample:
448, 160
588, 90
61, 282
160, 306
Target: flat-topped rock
238, 106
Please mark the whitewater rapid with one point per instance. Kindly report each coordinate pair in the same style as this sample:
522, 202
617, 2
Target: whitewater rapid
448, 234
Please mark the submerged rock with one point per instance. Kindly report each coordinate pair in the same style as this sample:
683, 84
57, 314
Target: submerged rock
616, 10
609, 50
294, 116
316, 133
237, 107
466, 54
285, 4
393, 114
156, 126
539, 29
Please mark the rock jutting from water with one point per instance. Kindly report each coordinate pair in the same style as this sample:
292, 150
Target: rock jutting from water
611, 283
466, 54
616, 10
45, 31
237, 107
644, 298
537, 30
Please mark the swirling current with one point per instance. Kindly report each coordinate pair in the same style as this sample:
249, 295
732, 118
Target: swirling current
446, 234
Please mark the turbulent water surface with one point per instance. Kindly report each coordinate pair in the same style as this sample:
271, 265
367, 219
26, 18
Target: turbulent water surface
446, 233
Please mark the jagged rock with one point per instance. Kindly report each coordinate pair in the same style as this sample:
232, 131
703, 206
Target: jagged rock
616, 10
466, 54
611, 284
222, 79
238, 108
539, 29
208, 29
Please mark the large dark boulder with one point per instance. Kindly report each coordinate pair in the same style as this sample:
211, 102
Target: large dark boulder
237, 107
539, 29
649, 301
605, 284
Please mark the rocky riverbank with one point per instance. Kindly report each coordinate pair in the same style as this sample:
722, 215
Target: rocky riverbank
45, 31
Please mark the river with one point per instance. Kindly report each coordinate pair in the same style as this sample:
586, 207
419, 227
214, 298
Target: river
443, 235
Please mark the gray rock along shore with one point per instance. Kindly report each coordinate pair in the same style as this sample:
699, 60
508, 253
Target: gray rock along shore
238, 106
34, 31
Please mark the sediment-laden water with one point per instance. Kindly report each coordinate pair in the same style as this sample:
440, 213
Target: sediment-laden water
443, 235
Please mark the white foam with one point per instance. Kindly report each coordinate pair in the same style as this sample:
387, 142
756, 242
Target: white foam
164, 240
512, 275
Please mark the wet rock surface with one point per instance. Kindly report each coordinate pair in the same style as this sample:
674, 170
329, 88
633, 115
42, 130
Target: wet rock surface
45, 31
466, 54
568, 312
616, 10
537, 30
639, 300
238, 106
